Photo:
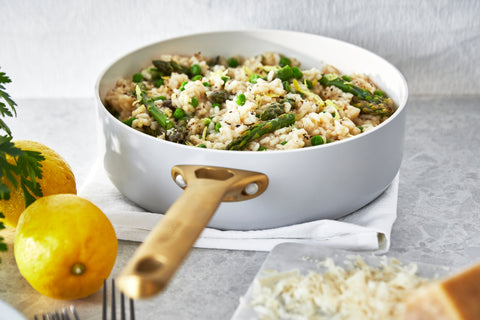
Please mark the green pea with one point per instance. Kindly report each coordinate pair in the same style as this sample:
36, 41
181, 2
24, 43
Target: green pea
241, 99
232, 62
197, 77
216, 104
218, 125
194, 102
137, 77
195, 69
317, 140
178, 113
262, 148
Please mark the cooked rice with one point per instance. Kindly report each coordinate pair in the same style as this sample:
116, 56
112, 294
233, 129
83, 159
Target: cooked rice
324, 111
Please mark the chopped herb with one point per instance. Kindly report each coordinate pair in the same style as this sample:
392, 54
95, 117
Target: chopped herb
284, 143
197, 77
215, 104
225, 78
218, 125
137, 77
361, 128
241, 99
346, 78
262, 148
309, 84
232, 62
202, 145
207, 84
163, 98
286, 86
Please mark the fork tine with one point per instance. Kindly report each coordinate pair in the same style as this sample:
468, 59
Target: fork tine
74, 312
113, 303
132, 310
122, 306
114, 308
65, 315
58, 315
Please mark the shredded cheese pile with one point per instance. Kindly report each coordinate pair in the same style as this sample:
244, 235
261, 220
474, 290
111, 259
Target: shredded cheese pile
358, 291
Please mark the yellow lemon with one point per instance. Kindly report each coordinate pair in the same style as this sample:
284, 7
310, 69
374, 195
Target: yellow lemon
65, 246
57, 178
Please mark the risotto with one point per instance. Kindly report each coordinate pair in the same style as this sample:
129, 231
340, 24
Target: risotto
264, 102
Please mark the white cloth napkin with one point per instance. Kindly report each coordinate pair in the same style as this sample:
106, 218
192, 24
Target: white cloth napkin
368, 228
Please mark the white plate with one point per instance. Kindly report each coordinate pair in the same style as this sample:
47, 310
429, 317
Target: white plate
8, 312
304, 258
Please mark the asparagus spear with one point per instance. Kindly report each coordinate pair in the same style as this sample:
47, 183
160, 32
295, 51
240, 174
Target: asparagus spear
377, 103
273, 111
260, 129
158, 115
167, 67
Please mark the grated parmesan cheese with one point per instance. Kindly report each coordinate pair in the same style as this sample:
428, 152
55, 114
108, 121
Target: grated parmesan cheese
356, 292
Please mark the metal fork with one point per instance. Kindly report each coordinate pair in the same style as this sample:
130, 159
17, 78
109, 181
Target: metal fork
56, 315
113, 311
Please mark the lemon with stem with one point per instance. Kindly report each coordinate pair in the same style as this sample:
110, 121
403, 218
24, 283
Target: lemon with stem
65, 246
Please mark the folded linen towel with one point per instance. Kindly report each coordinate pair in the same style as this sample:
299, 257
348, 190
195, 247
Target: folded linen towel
368, 228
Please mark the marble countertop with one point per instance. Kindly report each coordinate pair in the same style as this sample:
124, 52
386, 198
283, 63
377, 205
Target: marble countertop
438, 208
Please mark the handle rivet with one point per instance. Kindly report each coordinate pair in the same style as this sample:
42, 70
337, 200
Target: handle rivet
252, 188
180, 182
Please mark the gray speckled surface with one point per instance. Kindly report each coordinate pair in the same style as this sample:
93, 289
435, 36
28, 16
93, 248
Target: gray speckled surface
438, 208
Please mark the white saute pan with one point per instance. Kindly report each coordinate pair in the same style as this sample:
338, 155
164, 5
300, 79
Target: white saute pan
289, 187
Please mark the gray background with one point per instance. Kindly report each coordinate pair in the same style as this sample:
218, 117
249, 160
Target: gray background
54, 51
58, 48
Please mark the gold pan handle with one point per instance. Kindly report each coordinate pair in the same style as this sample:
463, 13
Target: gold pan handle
163, 251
